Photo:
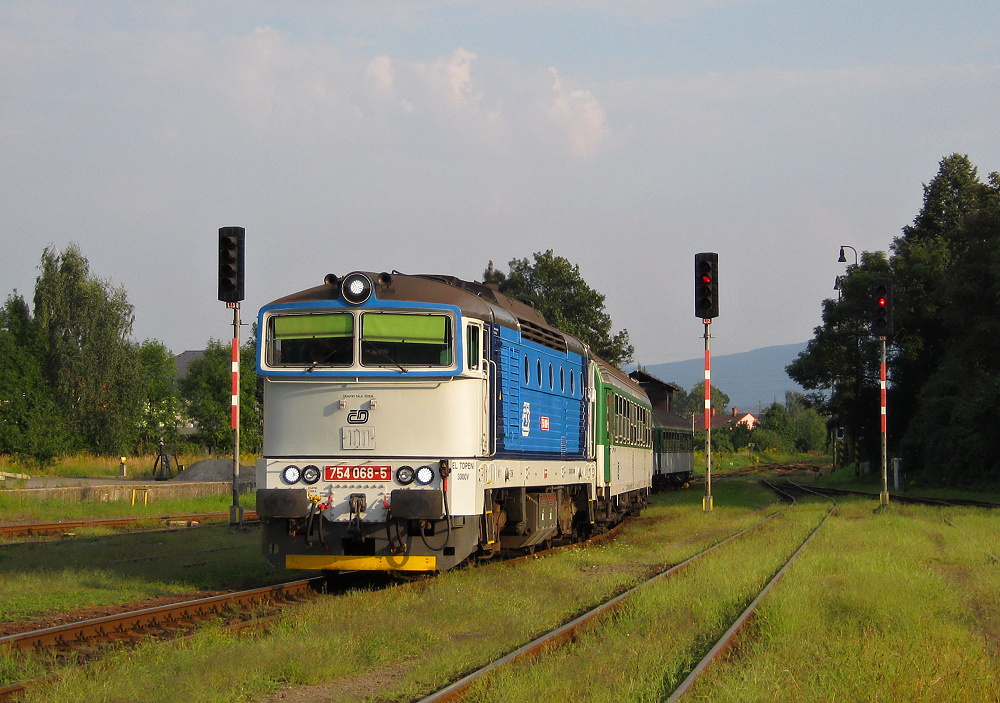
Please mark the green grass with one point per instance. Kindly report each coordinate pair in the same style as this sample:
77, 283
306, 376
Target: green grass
723, 462
845, 479
16, 507
898, 605
87, 465
39, 579
646, 649
418, 636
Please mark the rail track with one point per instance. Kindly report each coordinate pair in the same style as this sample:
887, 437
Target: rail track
898, 498
457, 690
37, 529
257, 607
249, 608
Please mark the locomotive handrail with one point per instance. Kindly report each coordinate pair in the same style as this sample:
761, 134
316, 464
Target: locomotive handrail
491, 421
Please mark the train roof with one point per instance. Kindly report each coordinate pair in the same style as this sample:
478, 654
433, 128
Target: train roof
619, 379
671, 421
476, 300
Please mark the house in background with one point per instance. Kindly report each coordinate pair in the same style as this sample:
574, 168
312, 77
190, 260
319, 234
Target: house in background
661, 397
724, 420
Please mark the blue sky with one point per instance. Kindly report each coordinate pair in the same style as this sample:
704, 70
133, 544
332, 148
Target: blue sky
433, 136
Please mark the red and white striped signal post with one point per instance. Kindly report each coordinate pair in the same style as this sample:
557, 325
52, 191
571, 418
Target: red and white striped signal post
883, 428
231, 250
236, 510
706, 503
706, 306
881, 308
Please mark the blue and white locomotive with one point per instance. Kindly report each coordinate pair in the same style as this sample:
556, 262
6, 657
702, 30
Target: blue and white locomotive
412, 422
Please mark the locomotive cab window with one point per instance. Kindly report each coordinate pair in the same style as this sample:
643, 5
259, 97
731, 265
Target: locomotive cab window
307, 340
398, 340
472, 337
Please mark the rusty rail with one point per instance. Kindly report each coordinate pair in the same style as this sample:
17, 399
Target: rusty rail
457, 690
166, 618
47, 528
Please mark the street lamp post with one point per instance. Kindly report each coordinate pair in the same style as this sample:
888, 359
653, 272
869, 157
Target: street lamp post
839, 286
843, 258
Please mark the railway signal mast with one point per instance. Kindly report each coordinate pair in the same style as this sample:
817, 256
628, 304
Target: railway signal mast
706, 307
881, 304
231, 276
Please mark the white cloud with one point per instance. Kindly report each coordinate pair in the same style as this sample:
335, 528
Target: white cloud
343, 144
580, 116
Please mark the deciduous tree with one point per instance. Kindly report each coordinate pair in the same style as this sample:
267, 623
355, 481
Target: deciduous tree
207, 390
79, 331
555, 288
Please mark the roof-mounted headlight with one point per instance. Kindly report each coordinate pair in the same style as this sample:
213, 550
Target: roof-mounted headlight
356, 288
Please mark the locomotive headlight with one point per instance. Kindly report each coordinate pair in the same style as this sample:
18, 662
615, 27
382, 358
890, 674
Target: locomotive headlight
357, 288
310, 474
291, 474
425, 475
404, 475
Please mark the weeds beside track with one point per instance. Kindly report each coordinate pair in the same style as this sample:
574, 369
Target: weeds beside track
500, 686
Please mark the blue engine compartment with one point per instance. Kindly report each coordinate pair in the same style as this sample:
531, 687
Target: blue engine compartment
542, 404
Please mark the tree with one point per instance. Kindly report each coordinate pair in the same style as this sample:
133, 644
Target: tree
929, 253
30, 424
950, 436
162, 406
79, 334
687, 404
944, 360
554, 287
207, 390
841, 362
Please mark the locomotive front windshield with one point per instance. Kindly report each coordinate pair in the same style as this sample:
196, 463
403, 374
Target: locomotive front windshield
391, 339
386, 340
305, 340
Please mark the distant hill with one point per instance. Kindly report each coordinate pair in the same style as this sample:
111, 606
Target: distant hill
752, 380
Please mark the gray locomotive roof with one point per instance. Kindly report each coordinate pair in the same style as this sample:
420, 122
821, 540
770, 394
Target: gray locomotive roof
475, 300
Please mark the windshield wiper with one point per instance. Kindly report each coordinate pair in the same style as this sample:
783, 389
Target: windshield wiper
325, 358
382, 353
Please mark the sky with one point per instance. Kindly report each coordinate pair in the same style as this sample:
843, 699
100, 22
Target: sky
434, 136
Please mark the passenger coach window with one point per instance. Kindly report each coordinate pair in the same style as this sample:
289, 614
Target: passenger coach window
390, 339
307, 340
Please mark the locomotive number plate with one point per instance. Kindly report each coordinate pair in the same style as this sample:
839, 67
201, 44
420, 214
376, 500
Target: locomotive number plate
357, 473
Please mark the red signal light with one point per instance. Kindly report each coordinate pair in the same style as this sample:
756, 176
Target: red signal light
882, 307
706, 287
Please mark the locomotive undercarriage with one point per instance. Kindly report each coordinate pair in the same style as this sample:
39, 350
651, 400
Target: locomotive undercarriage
515, 520
398, 544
